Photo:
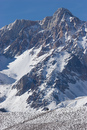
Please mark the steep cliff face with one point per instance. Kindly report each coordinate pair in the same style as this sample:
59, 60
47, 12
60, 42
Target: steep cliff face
46, 61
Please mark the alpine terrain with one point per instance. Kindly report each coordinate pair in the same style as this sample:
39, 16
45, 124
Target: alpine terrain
43, 64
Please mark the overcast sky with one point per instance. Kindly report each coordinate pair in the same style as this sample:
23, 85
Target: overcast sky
10, 10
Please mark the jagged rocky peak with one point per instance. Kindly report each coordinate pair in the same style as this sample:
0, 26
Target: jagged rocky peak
12, 25
45, 21
23, 22
63, 11
61, 17
62, 14
65, 15
18, 24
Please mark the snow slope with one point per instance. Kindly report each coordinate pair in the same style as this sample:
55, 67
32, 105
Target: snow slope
59, 119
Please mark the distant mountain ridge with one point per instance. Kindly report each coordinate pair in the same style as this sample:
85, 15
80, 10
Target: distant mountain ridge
43, 63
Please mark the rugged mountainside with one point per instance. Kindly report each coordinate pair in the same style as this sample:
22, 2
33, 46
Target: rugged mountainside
43, 63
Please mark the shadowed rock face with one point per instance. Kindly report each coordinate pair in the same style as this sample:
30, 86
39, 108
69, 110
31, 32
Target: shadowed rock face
2, 99
61, 40
3, 110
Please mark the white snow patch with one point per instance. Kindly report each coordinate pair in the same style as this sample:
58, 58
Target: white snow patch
6, 49
83, 43
15, 103
49, 91
53, 40
23, 64
9, 27
43, 86
85, 29
41, 31
63, 19
61, 60
71, 18
76, 103
52, 105
67, 37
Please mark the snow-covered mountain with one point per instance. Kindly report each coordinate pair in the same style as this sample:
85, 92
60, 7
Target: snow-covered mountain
43, 64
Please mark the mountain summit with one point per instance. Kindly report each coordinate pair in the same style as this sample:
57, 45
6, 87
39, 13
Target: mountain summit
43, 64
62, 12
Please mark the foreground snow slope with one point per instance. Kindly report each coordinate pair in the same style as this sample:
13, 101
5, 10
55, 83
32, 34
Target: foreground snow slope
59, 119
